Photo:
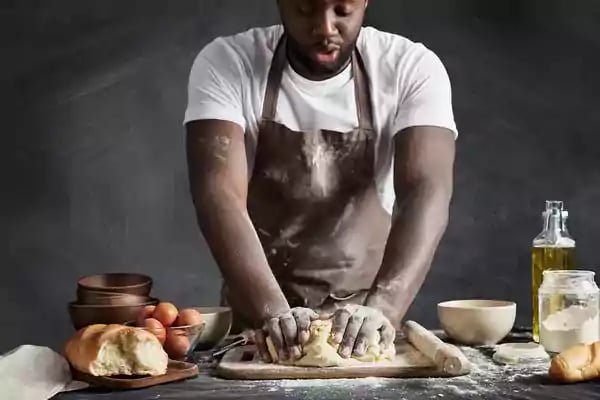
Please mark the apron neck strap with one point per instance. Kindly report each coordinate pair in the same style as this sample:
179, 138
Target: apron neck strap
362, 93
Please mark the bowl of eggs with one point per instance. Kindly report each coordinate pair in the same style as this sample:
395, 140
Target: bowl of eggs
178, 330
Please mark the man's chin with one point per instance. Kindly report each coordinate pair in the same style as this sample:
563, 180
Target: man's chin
322, 65
327, 67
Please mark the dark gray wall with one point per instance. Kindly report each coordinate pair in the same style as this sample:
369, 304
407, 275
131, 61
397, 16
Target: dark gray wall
93, 173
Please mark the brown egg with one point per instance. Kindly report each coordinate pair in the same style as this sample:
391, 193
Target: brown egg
156, 328
166, 313
188, 316
146, 312
177, 344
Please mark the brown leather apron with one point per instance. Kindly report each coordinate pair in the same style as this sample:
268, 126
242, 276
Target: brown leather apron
313, 201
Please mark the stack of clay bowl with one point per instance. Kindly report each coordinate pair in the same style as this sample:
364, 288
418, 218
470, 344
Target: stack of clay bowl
110, 298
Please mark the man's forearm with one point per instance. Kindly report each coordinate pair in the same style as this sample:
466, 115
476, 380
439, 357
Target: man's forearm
237, 250
412, 243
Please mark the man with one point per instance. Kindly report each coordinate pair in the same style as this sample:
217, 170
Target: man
302, 139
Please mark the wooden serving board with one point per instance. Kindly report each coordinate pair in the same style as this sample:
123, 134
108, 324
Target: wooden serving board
176, 371
242, 363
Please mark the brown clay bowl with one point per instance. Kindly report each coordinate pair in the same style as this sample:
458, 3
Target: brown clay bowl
83, 315
93, 297
115, 282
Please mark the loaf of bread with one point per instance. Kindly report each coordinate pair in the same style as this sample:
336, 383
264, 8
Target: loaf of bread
576, 364
108, 350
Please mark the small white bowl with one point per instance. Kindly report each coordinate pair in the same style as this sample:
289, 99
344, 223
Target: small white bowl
218, 321
477, 322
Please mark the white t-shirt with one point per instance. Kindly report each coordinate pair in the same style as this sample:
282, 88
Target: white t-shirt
409, 87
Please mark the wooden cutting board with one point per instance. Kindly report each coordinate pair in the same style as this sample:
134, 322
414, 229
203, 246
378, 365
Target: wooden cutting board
176, 371
242, 363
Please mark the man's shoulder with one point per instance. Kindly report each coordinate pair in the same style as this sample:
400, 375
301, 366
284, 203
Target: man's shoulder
392, 52
243, 46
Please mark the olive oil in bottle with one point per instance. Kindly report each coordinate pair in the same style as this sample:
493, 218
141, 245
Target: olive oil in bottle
553, 249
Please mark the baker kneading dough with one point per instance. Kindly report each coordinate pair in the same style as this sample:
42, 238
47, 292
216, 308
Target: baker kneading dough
319, 352
304, 227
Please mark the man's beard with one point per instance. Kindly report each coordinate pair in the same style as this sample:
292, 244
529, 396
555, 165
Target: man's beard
317, 69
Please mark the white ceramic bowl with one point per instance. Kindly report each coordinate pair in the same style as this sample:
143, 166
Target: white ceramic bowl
477, 322
218, 322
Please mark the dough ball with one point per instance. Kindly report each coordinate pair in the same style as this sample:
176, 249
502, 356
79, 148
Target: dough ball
319, 352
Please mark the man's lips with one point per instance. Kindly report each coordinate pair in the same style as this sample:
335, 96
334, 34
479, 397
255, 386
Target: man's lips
327, 54
327, 57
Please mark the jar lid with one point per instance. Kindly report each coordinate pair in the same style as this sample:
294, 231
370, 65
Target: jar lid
569, 281
520, 353
575, 273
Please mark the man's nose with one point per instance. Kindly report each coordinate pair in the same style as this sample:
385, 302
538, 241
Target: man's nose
324, 24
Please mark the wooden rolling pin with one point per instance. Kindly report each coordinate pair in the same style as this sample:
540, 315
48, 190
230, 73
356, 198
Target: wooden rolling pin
447, 357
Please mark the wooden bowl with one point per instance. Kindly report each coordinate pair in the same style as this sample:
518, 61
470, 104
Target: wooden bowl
217, 325
83, 315
115, 282
477, 322
94, 297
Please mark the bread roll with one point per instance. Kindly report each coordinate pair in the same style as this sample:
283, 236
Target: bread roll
106, 350
576, 364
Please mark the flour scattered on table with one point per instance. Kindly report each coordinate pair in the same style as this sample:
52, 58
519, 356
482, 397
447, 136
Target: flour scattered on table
483, 380
332, 382
336, 388
485, 376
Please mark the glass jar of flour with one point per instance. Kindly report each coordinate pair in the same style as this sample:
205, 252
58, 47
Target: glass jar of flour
568, 308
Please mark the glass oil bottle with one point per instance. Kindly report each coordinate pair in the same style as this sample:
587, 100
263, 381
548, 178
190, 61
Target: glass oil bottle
553, 249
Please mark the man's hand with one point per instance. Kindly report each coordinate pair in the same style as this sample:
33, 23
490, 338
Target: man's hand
355, 326
287, 331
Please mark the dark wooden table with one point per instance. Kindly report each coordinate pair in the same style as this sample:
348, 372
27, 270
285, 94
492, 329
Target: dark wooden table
488, 381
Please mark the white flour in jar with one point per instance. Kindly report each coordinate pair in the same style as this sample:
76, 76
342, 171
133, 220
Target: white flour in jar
569, 327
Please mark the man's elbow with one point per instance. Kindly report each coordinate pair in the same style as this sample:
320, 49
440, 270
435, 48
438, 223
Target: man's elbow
437, 202
431, 195
212, 195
